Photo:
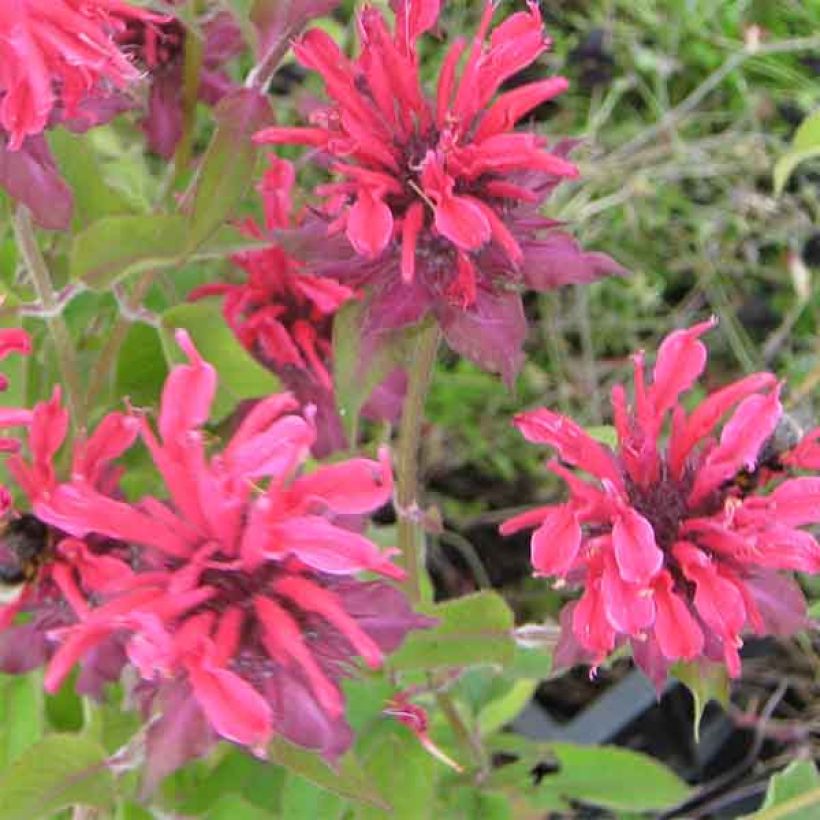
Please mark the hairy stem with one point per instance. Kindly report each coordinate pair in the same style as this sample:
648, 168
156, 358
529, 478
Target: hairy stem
411, 532
63, 344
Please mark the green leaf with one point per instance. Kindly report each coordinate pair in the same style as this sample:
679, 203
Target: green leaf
236, 773
347, 779
475, 629
60, 771
141, 366
302, 800
499, 712
240, 375
471, 804
354, 375
791, 793
116, 246
94, 198
805, 145
21, 713
234, 807
227, 167
705, 681
410, 785
605, 776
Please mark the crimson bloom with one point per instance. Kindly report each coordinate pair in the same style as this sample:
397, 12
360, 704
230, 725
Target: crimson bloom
284, 316
74, 572
675, 547
436, 202
58, 63
242, 610
56, 53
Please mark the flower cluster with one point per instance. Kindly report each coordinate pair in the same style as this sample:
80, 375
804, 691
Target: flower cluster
436, 206
677, 545
236, 604
59, 62
284, 316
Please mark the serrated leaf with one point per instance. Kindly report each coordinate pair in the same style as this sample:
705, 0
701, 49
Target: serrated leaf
705, 681
475, 629
347, 778
115, 246
805, 145
605, 776
791, 793
227, 167
59, 771
94, 198
240, 375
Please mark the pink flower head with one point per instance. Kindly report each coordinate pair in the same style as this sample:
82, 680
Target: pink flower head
68, 574
159, 49
281, 314
55, 54
437, 198
244, 600
675, 546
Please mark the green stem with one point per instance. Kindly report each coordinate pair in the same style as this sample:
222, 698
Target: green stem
410, 530
467, 740
63, 343
105, 362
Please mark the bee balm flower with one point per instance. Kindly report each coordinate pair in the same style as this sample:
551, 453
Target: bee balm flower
674, 547
244, 609
55, 53
437, 197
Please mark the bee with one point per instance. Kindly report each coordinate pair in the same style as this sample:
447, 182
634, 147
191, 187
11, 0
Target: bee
784, 438
30, 543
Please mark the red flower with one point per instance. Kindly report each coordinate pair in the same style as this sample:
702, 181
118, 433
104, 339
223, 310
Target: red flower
284, 316
159, 48
74, 572
438, 197
675, 547
243, 603
55, 53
